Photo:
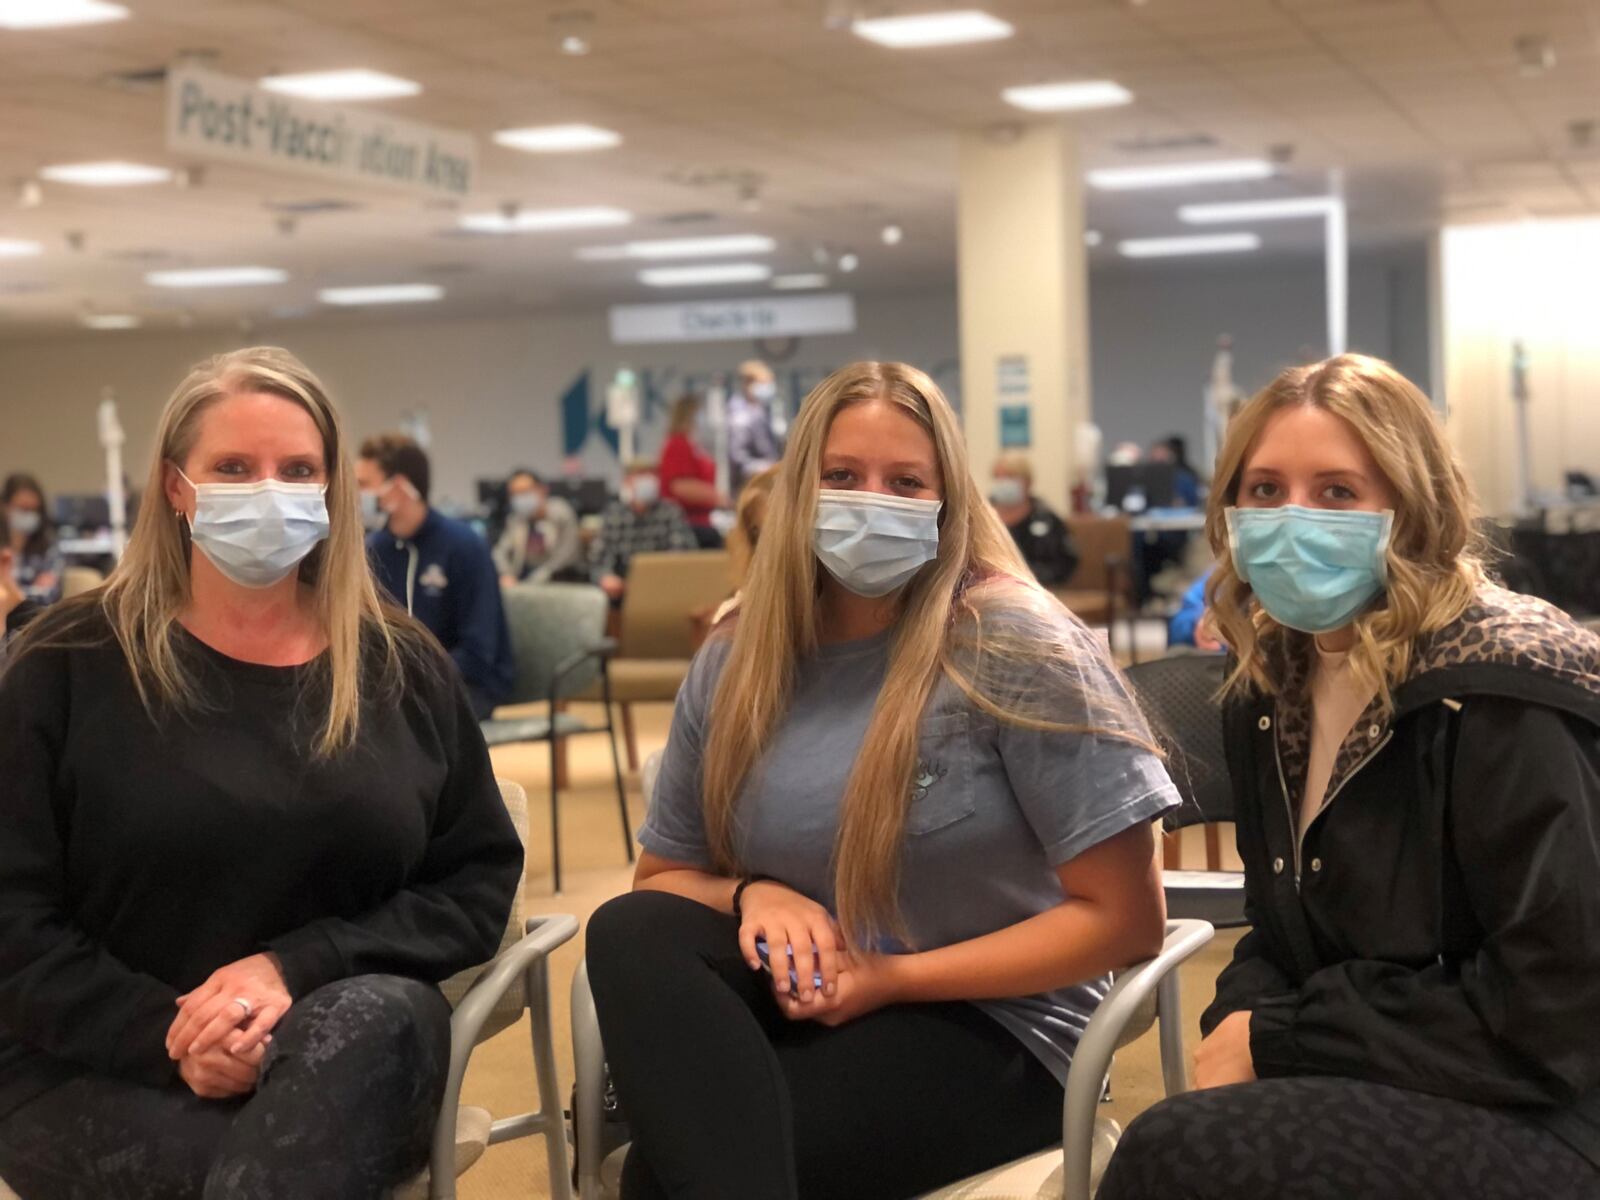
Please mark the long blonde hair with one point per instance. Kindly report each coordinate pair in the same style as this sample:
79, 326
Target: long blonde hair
748, 518
1434, 557
974, 615
149, 589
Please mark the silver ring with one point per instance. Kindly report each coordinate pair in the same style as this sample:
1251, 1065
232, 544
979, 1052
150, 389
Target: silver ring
244, 1004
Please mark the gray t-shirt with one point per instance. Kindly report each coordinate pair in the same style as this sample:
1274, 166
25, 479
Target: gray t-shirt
995, 809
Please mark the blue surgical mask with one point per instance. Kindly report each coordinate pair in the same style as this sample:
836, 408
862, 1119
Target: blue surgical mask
372, 514
526, 504
1313, 569
643, 490
257, 533
1008, 492
872, 543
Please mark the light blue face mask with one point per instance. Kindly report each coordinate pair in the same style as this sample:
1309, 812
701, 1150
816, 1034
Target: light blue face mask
1008, 492
873, 544
257, 533
1313, 569
527, 504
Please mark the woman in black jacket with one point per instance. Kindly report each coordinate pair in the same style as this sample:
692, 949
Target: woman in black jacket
1416, 764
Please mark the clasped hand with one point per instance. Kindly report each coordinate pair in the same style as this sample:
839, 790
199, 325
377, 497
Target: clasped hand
218, 1042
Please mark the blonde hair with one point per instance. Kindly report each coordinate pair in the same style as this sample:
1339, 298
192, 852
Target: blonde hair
974, 616
1015, 464
748, 517
148, 591
1434, 558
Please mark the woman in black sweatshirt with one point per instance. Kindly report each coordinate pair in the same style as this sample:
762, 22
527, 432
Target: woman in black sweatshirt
247, 821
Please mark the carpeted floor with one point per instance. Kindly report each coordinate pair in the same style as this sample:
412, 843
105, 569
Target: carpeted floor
501, 1079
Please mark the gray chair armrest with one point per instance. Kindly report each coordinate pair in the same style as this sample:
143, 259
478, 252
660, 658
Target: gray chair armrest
589, 1069
544, 934
1092, 1058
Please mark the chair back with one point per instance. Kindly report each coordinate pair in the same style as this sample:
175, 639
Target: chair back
1179, 697
1097, 541
550, 622
74, 582
664, 591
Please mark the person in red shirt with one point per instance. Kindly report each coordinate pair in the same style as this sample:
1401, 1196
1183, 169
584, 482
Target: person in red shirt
688, 474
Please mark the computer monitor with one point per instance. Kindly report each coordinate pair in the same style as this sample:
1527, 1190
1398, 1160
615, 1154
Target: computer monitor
1156, 482
83, 512
587, 496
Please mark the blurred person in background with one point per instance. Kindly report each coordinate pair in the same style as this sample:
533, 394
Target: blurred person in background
752, 446
1040, 534
541, 540
1185, 479
1189, 626
746, 532
688, 474
16, 610
436, 567
37, 565
638, 522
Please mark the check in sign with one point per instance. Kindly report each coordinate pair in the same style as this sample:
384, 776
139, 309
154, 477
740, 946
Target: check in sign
213, 116
733, 320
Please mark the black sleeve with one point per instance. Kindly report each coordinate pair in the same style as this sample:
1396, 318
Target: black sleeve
452, 913
1514, 1024
60, 991
1054, 558
1248, 980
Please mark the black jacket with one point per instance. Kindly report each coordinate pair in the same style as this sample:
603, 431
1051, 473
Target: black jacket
1440, 927
1046, 544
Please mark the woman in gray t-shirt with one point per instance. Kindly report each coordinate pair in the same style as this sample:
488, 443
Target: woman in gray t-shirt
910, 773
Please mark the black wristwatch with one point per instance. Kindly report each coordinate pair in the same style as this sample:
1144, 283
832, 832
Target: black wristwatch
738, 894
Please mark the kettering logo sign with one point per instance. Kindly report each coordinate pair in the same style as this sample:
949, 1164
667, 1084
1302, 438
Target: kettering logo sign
213, 116
732, 320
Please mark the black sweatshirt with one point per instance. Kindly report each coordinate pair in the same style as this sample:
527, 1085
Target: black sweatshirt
137, 856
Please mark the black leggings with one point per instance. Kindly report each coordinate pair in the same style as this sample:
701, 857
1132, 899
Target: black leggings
344, 1110
729, 1100
1321, 1138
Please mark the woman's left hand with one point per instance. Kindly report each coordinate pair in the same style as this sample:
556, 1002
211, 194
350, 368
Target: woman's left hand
866, 983
1224, 1057
211, 1012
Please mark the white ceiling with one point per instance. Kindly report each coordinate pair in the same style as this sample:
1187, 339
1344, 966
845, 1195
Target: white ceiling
1420, 102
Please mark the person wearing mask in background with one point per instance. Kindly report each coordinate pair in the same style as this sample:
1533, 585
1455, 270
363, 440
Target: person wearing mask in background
639, 522
1189, 626
752, 446
37, 565
16, 610
437, 568
1185, 479
746, 533
905, 760
1415, 755
248, 824
688, 475
541, 541
1041, 535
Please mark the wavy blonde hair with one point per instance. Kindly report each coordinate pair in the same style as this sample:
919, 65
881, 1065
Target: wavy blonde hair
149, 590
973, 616
1435, 554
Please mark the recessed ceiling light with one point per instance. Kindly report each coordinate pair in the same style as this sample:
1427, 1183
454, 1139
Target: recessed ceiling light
892, 235
702, 276
537, 220
702, 247
17, 248
1256, 210
389, 293
1068, 97
795, 283
917, 31
106, 174
558, 139
209, 277
110, 321
574, 45
357, 83
45, 14
848, 262
1215, 243
1179, 174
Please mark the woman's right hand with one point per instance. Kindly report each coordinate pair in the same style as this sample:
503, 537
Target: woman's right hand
784, 917
220, 1075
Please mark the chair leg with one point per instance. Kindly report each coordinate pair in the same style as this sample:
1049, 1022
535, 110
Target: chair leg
632, 736
537, 982
562, 772
1213, 848
622, 794
555, 816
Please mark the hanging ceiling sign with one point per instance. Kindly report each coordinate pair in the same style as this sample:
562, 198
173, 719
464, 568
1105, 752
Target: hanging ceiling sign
733, 320
213, 116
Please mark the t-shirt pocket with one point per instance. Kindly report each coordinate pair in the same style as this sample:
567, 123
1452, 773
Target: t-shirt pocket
941, 786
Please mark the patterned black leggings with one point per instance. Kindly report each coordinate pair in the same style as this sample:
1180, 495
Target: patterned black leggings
344, 1110
1339, 1139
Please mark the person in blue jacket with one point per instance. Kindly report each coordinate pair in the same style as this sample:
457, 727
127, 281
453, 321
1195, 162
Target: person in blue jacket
437, 568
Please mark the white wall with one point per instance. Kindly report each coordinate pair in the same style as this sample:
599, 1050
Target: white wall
493, 385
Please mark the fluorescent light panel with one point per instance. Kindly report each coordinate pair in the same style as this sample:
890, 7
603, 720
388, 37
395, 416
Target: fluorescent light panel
388, 293
1180, 174
209, 277
106, 174
917, 31
704, 276
795, 283
1256, 210
544, 220
357, 83
1169, 247
49, 14
17, 248
702, 247
111, 321
1068, 97
558, 139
